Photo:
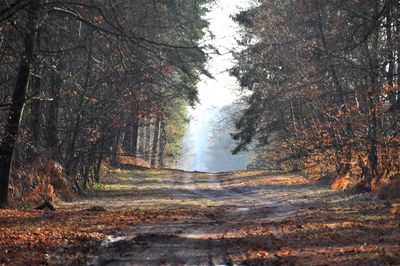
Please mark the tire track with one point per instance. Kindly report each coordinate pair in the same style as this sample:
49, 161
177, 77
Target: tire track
206, 240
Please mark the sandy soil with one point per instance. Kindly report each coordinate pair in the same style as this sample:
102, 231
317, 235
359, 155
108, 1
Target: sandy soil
242, 209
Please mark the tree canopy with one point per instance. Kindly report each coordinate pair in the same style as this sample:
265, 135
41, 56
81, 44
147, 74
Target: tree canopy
82, 81
323, 78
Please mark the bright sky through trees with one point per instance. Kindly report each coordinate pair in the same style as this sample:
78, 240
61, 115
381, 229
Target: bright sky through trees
220, 91
214, 94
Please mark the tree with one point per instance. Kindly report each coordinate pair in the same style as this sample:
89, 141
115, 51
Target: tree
18, 98
321, 76
99, 70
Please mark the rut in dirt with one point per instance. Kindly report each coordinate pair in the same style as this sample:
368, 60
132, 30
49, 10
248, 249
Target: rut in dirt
212, 238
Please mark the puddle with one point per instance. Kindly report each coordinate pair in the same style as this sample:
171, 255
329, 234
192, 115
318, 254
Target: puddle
111, 240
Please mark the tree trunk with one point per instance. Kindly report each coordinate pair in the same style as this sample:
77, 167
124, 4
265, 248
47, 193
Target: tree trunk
70, 155
373, 100
33, 149
141, 144
155, 143
390, 53
147, 140
7, 145
35, 104
51, 122
35, 111
343, 164
99, 162
127, 141
134, 137
162, 145
396, 48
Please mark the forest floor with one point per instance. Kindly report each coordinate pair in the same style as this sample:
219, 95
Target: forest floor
171, 217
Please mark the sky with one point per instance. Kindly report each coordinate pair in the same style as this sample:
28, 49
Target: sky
221, 90
199, 148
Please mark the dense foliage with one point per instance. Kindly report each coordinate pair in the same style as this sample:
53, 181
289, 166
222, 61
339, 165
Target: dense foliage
323, 82
82, 81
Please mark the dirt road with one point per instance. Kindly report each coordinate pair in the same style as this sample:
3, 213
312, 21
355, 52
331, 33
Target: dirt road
241, 215
170, 217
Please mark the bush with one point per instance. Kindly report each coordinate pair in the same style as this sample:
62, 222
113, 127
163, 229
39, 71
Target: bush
43, 180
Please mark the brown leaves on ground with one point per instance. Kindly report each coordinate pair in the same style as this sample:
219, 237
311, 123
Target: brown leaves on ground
30, 237
44, 179
255, 178
339, 229
130, 160
361, 233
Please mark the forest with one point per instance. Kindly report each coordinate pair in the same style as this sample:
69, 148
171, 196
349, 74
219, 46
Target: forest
83, 82
95, 114
323, 78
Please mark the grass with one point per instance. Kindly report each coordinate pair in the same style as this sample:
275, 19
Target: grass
150, 190
111, 187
